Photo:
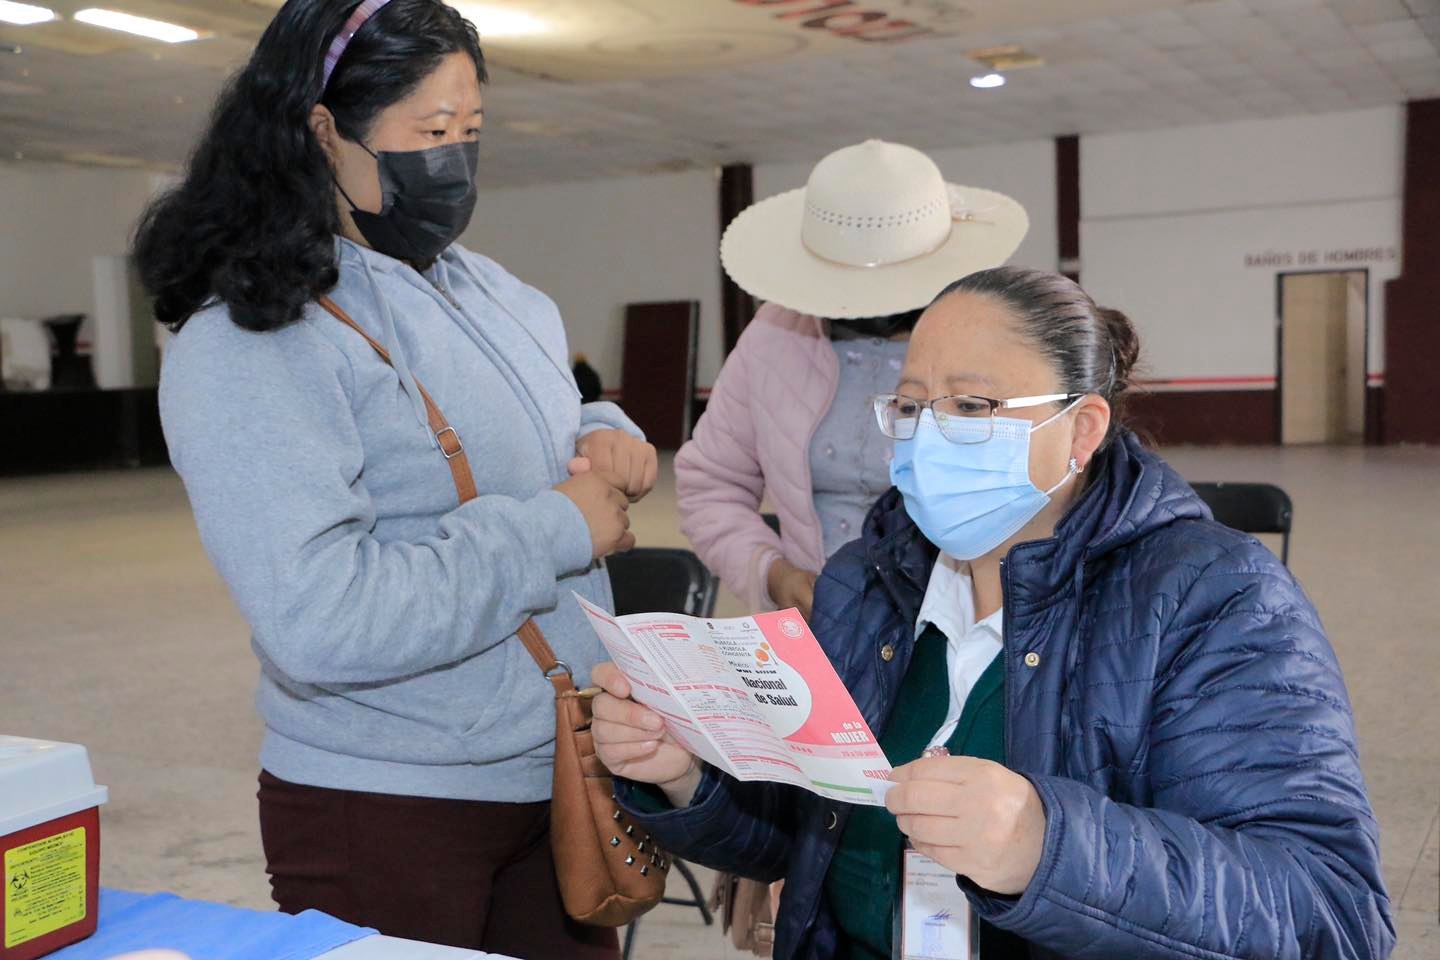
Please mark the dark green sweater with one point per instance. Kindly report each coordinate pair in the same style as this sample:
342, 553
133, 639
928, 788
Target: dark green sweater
864, 879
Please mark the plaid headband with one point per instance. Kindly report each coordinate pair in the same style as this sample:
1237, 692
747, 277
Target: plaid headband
347, 33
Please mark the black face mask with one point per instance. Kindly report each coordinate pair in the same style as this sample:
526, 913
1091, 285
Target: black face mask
428, 198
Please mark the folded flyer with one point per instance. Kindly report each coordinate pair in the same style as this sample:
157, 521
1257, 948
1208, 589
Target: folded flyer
755, 697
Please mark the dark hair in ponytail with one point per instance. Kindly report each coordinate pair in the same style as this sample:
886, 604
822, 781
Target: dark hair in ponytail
253, 223
1093, 349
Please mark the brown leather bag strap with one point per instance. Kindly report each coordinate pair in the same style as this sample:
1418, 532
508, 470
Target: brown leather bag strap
449, 441
445, 434
557, 671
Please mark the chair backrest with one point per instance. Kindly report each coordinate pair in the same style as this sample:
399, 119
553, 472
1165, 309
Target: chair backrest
1251, 508
670, 580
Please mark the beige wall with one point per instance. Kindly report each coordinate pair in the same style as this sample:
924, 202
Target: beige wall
53, 222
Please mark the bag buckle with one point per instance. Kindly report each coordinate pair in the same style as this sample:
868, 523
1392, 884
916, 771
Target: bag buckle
562, 666
455, 448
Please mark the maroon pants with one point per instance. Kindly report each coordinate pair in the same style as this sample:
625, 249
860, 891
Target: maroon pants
456, 872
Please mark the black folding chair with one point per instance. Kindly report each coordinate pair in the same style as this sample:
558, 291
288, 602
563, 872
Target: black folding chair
1251, 508
649, 579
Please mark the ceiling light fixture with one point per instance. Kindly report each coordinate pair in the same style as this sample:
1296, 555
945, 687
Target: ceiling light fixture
24, 14
496, 22
1008, 57
140, 26
988, 81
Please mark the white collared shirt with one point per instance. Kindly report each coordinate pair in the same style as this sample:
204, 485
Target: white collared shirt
949, 605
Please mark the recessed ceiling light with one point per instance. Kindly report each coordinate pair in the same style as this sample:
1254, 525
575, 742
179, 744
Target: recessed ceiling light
140, 26
24, 14
493, 22
988, 81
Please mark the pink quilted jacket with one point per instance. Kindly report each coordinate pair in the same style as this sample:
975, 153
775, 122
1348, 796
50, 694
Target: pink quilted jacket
753, 440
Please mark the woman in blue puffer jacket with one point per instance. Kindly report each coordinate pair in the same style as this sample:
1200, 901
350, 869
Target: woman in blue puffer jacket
1150, 748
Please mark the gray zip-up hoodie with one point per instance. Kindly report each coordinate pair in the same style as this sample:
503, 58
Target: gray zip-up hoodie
382, 612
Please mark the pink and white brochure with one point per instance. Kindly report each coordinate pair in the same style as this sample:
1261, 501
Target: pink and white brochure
755, 697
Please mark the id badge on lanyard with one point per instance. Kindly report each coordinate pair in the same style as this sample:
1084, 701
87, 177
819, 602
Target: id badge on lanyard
933, 919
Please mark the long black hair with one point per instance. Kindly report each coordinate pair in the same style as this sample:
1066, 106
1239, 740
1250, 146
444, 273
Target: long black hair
253, 222
1093, 349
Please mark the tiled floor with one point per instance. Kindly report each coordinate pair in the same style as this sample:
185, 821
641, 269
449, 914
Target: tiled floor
115, 632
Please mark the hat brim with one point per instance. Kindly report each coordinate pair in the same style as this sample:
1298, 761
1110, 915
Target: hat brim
762, 251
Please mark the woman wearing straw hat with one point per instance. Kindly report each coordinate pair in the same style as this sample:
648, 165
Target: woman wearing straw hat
844, 267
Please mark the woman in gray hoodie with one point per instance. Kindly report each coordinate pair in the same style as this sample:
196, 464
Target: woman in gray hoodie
409, 736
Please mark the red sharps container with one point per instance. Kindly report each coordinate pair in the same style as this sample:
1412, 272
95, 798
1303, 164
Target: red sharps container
49, 847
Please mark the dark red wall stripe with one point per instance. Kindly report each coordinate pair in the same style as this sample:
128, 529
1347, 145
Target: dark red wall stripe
1067, 204
1222, 417
1412, 300
1209, 417
737, 191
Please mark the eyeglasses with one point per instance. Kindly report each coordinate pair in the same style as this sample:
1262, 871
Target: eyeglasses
962, 419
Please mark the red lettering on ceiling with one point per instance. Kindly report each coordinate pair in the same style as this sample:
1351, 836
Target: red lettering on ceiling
826, 5
824, 23
837, 18
893, 31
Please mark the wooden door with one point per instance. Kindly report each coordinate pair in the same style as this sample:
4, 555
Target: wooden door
1313, 364
657, 381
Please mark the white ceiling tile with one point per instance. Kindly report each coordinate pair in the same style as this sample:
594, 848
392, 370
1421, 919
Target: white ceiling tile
1349, 57
1230, 86
1031, 37
1205, 56
1215, 10
1388, 31
1283, 63
1424, 67
1154, 19
1119, 45
1102, 25
1120, 83
1315, 26
1223, 70
1351, 75
1225, 29
1361, 12
1268, 101
1174, 37
1383, 86
1295, 7
1403, 50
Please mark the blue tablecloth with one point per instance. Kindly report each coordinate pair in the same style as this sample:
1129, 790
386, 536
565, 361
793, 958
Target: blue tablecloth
207, 931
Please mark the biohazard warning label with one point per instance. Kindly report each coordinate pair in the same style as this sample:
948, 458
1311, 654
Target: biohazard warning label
44, 887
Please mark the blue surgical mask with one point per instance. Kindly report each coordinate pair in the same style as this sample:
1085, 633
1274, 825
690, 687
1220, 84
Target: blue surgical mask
969, 498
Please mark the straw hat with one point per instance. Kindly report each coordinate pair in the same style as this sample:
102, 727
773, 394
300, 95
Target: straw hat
876, 231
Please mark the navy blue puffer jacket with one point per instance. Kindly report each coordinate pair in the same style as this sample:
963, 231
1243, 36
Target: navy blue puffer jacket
1182, 718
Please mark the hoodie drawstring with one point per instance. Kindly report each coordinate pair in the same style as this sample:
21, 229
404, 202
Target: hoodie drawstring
391, 341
